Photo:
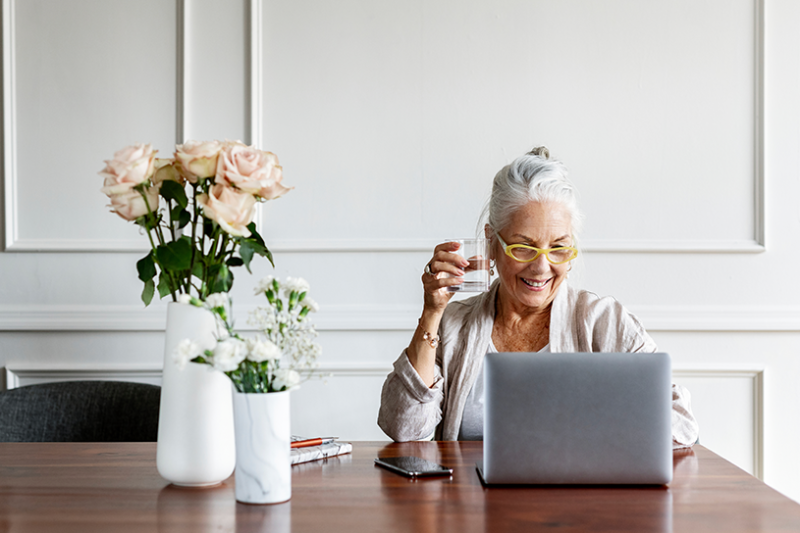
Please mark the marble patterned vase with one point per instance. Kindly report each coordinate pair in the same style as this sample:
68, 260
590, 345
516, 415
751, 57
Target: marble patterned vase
263, 454
195, 425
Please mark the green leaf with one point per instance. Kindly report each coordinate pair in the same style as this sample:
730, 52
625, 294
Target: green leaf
197, 270
183, 219
254, 235
147, 293
172, 190
220, 278
175, 255
249, 247
146, 268
163, 285
234, 262
246, 251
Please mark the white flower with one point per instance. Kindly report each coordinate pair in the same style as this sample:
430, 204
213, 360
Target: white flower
185, 351
263, 318
218, 299
311, 304
228, 354
297, 285
263, 285
285, 378
260, 351
184, 298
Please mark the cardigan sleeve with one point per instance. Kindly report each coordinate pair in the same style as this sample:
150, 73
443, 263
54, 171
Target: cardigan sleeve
685, 430
410, 410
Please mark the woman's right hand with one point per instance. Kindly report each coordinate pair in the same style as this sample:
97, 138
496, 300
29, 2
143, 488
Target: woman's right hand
444, 262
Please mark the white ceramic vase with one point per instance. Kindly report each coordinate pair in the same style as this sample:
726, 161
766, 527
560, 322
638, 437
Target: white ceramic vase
263, 440
195, 425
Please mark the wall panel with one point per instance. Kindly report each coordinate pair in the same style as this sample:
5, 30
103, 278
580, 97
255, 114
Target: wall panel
673, 122
76, 89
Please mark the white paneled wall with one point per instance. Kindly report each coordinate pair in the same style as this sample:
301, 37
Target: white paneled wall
678, 120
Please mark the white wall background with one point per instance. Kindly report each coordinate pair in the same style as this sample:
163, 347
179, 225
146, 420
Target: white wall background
679, 121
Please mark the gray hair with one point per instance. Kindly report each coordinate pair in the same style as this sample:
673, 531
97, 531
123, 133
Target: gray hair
534, 177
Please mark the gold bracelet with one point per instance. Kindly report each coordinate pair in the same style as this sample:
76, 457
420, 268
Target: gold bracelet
433, 340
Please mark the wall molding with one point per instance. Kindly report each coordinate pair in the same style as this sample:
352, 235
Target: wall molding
9, 128
256, 69
12, 241
758, 122
255, 131
18, 375
389, 246
767, 318
181, 96
756, 375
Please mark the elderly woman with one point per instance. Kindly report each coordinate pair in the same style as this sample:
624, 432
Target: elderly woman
436, 387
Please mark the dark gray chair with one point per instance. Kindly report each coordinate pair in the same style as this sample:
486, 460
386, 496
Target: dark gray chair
80, 411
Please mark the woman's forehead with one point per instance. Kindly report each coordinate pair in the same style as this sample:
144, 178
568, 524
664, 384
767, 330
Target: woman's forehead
540, 221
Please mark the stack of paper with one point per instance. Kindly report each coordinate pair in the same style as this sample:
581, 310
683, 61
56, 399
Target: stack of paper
313, 453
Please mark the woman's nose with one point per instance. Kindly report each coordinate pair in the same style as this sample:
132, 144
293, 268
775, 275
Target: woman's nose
540, 264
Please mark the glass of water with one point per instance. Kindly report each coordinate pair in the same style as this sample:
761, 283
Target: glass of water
476, 275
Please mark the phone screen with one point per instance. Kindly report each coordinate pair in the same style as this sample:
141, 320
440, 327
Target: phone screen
413, 466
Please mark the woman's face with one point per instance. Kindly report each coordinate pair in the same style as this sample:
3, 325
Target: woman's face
534, 285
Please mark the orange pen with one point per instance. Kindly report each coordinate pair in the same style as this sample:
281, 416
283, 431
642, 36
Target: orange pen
319, 441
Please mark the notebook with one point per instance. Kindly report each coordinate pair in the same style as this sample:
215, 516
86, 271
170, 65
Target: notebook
577, 418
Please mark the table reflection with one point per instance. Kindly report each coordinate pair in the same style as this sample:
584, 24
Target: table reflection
210, 509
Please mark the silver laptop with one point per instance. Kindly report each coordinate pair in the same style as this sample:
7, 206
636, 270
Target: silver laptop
577, 418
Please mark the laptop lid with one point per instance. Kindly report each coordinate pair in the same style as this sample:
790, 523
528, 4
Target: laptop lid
577, 418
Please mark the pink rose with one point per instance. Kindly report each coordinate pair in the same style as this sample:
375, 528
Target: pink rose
251, 170
231, 209
130, 167
272, 187
198, 159
166, 170
130, 205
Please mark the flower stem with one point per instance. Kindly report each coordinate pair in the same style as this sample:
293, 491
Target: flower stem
196, 213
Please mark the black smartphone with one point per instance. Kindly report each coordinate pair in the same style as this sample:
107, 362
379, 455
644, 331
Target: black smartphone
413, 466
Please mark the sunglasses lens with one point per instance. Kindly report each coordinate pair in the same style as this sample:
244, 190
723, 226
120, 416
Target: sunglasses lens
559, 256
523, 254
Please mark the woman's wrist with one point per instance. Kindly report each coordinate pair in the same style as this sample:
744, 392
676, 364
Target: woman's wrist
422, 350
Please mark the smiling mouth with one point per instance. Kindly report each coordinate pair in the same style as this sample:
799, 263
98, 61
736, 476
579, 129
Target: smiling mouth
535, 284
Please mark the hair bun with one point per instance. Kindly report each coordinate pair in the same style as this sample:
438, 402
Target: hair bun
540, 151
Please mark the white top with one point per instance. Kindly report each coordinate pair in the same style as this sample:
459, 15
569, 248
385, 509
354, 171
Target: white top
472, 419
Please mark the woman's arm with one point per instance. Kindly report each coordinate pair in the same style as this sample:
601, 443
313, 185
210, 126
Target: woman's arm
685, 430
410, 409
412, 395
421, 351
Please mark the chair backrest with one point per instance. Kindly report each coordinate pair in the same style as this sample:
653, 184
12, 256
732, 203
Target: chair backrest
80, 411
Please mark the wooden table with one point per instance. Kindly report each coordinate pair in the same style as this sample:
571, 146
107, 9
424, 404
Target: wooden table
115, 487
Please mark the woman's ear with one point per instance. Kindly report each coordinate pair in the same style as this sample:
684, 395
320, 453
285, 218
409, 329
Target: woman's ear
489, 233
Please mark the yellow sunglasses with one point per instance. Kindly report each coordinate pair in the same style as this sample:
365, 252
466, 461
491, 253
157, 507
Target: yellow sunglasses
525, 254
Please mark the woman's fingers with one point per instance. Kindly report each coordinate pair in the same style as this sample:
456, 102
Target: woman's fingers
438, 281
444, 260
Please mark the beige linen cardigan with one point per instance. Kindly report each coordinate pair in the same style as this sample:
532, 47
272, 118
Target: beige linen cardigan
580, 321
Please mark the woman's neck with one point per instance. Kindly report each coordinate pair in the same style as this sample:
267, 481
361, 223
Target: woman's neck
509, 311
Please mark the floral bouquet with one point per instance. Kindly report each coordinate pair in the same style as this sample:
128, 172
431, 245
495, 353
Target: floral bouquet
273, 361
225, 182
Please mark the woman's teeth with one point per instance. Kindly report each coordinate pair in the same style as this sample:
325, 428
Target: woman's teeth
535, 284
